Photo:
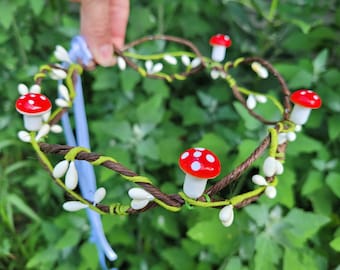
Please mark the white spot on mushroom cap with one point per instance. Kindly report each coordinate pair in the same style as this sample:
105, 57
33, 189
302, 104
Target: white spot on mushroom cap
197, 154
184, 155
195, 166
31, 101
315, 97
210, 158
199, 148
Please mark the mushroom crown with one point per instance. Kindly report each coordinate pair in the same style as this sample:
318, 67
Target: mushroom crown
220, 39
32, 103
200, 162
306, 98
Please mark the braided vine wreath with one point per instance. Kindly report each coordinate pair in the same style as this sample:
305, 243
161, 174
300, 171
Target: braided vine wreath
198, 163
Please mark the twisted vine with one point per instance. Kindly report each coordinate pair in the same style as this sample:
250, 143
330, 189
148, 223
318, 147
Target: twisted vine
171, 202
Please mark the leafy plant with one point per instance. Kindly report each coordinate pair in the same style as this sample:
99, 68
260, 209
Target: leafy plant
302, 44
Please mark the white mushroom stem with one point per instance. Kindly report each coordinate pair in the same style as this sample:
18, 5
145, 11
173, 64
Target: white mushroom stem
218, 53
193, 186
299, 114
33, 122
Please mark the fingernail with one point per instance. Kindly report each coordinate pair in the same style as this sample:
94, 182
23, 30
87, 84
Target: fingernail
105, 55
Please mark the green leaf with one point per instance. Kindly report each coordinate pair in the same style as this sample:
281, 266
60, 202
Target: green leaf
89, 255
71, 238
211, 233
333, 127
151, 110
121, 130
37, 6
304, 144
214, 143
43, 259
129, 78
169, 148
167, 224
177, 258
319, 63
21, 205
259, 213
148, 148
249, 122
333, 181
302, 79
302, 225
268, 253
314, 182
335, 244
285, 189
156, 87
300, 259
7, 11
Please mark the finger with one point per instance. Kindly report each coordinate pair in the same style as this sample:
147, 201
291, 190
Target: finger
95, 27
119, 13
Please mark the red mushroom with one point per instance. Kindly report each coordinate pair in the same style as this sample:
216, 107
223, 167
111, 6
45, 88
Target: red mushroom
305, 101
199, 165
219, 43
32, 106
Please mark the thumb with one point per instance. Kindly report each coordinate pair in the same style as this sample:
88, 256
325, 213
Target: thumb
95, 27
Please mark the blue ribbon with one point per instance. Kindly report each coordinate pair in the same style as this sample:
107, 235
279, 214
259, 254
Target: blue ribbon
87, 178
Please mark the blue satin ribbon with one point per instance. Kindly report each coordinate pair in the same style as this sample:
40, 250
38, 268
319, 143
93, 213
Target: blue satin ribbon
87, 179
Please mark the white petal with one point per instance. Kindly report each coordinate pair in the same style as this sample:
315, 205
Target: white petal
57, 74
71, 177
298, 128
61, 54
170, 59
261, 98
282, 138
46, 115
121, 63
138, 204
263, 73
60, 102
157, 68
291, 136
185, 60
63, 92
74, 206
24, 136
22, 89
140, 194
214, 74
271, 192
60, 169
259, 180
196, 62
269, 166
56, 129
35, 89
99, 195
251, 102
43, 131
148, 65
279, 167
226, 215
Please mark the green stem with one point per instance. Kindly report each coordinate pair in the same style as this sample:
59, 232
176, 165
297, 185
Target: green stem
43, 158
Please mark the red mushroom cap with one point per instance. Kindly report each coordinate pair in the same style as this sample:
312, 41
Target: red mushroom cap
220, 39
306, 98
32, 103
200, 162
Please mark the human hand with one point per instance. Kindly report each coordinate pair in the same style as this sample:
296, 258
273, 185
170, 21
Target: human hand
103, 24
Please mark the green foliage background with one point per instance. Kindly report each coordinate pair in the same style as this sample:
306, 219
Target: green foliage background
297, 230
